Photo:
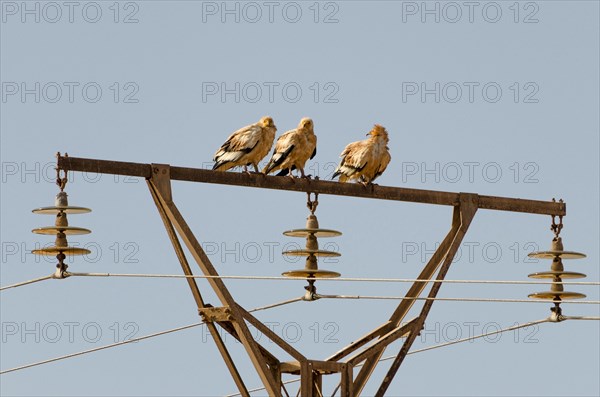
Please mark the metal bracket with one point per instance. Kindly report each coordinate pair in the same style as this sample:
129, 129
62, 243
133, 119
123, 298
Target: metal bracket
161, 177
160, 187
210, 314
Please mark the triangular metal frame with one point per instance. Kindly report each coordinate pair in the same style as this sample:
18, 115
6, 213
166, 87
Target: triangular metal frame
234, 319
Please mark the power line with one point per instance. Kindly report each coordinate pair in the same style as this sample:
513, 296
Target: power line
472, 338
454, 299
350, 279
264, 308
296, 300
513, 328
66, 356
100, 348
580, 318
276, 304
35, 280
392, 280
489, 300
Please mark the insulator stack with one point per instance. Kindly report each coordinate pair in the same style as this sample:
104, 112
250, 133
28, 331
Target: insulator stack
61, 229
312, 252
557, 273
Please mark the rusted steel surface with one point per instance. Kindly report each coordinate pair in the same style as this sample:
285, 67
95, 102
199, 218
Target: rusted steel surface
377, 332
383, 342
271, 384
405, 305
310, 185
104, 167
271, 335
468, 208
196, 292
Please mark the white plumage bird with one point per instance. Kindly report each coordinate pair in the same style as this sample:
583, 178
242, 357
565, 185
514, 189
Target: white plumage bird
246, 146
293, 149
365, 160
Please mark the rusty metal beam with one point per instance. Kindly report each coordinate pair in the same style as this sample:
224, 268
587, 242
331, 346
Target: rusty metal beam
258, 360
382, 329
428, 271
311, 376
307, 377
237, 378
326, 367
468, 208
383, 341
322, 367
229, 328
414, 291
271, 335
176, 246
272, 385
347, 381
304, 185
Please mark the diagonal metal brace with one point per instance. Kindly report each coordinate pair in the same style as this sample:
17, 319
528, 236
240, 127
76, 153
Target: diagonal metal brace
384, 341
443, 256
160, 188
467, 209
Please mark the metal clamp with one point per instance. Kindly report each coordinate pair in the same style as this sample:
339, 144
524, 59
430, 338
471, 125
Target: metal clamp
556, 228
312, 204
210, 314
61, 182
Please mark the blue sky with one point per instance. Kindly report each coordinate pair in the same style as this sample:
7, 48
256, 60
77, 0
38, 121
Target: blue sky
497, 98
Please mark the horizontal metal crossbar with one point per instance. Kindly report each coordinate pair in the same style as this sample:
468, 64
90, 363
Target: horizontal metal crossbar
310, 185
